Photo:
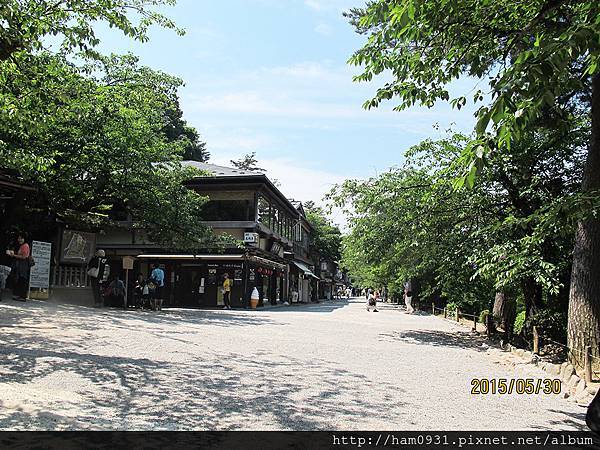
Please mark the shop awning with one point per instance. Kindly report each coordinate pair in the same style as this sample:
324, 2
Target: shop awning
304, 268
193, 257
266, 262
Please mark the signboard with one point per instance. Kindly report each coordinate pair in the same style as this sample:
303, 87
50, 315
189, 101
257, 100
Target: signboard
77, 247
39, 275
251, 238
128, 262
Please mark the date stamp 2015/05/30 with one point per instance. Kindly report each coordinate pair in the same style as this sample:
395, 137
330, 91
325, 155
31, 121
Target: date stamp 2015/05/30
505, 386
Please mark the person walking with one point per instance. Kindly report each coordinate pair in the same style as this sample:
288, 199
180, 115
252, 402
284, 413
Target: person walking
158, 277
21, 267
226, 291
98, 271
408, 301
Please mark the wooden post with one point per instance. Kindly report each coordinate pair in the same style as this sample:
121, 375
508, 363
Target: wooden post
445, 313
433, 308
474, 322
457, 314
588, 364
536, 341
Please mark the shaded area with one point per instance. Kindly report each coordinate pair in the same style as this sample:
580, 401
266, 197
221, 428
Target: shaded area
246, 389
437, 339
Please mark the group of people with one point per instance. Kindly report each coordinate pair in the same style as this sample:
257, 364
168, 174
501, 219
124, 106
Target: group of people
15, 269
373, 296
147, 291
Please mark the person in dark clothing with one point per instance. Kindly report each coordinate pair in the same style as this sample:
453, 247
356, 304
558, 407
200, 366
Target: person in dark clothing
98, 271
139, 290
21, 266
116, 292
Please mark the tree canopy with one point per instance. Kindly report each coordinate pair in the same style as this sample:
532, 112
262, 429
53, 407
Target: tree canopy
540, 60
248, 162
326, 238
101, 141
27, 24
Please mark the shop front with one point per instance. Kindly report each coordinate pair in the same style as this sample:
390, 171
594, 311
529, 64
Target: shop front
197, 280
303, 282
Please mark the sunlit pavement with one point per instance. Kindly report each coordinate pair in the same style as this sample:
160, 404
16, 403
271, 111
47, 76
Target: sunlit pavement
327, 366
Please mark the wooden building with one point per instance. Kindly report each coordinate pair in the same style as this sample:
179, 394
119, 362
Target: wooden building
245, 205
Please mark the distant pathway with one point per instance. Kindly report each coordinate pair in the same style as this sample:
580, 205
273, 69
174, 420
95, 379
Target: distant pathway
327, 366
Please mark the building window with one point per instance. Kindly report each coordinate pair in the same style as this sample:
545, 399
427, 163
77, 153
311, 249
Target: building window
275, 222
228, 210
264, 211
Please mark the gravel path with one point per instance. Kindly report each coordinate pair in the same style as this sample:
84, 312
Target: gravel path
326, 366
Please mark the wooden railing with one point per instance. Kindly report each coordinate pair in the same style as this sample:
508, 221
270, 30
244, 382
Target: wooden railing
70, 276
455, 315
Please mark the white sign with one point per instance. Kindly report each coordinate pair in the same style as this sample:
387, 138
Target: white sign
250, 238
127, 263
39, 276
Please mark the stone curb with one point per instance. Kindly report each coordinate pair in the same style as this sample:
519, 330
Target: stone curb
575, 389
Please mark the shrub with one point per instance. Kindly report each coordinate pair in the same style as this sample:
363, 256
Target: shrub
551, 324
451, 307
483, 316
519, 323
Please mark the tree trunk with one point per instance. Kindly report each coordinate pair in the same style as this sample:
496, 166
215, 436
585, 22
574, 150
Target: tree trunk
532, 293
505, 307
584, 297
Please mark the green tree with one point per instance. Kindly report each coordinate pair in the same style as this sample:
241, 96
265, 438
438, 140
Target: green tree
538, 54
97, 145
248, 162
26, 24
326, 238
503, 235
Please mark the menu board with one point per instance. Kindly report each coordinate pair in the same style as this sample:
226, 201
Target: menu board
39, 276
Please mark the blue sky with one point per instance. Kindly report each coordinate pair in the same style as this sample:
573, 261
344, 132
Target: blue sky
270, 76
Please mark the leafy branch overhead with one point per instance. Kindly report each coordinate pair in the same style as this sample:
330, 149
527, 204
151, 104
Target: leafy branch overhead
27, 24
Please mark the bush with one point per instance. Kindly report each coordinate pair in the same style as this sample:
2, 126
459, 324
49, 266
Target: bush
451, 307
551, 324
519, 323
483, 316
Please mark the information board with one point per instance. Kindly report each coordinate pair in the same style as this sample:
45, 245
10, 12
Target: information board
39, 276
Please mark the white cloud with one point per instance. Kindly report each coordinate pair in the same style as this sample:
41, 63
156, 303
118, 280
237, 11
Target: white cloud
329, 5
323, 29
298, 182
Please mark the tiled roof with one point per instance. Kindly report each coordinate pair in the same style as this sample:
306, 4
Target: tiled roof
220, 171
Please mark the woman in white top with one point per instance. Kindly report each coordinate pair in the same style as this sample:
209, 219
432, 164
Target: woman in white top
408, 302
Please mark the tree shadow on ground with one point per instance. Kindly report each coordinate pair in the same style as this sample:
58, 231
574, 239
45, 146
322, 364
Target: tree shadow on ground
437, 339
576, 420
15, 314
229, 391
324, 307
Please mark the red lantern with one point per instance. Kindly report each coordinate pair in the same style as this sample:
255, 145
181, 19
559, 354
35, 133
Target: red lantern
259, 270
